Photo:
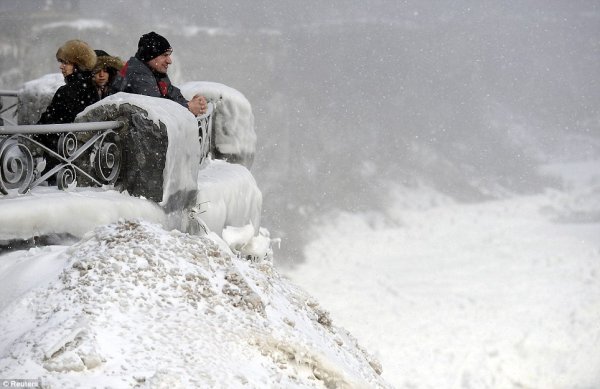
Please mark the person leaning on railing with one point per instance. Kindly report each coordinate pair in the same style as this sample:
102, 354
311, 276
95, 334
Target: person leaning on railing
77, 59
146, 74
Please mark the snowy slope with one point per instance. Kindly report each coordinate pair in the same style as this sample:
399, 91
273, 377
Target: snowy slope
135, 306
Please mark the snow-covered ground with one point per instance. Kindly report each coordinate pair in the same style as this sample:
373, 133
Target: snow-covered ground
135, 306
498, 294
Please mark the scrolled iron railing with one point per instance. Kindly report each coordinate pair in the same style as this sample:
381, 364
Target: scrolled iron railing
24, 158
26, 161
8, 111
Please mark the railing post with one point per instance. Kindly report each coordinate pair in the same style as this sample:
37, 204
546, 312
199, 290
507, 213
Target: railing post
205, 131
5, 108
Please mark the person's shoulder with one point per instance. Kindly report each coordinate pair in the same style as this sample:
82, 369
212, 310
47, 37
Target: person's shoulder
63, 90
134, 65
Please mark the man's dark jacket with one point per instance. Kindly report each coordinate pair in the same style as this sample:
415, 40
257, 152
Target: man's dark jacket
137, 77
78, 92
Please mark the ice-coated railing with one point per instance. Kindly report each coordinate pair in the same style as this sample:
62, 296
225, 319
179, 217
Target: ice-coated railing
71, 154
89, 151
8, 107
205, 132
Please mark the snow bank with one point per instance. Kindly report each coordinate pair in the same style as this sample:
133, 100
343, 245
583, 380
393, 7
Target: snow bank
137, 306
22, 271
227, 196
47, 211
233, 122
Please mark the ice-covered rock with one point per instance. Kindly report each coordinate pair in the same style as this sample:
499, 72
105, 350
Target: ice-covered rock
35, 96
234, 135
161, 152
228, 196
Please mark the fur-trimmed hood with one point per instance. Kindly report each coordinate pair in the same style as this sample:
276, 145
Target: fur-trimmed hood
107, 61
78, 53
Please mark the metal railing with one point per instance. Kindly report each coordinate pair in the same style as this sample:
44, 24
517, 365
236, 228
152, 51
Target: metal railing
205, 132
27, 160
60, 154
8, 111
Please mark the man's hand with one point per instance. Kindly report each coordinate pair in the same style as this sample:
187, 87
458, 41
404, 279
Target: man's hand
197, 105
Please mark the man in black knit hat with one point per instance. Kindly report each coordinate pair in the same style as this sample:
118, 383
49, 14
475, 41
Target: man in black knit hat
146, 74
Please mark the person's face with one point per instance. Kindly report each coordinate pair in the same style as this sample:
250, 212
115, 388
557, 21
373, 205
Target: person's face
66, 68
101, 77
161, 63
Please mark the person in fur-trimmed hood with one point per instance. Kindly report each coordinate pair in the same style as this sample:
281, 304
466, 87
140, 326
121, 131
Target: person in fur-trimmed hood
77, 59
105, 71
146, 74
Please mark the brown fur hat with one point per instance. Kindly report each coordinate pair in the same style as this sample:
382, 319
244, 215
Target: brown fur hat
78, 53
107, 62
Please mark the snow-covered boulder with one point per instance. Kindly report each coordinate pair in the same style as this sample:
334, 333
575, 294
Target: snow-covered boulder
161, 155
35, 96
234, 135
135, 306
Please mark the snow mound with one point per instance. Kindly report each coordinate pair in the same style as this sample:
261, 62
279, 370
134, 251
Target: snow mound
137, 306
73, 212
228, 196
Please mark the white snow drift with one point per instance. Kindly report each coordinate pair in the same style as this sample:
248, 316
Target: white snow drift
133, 305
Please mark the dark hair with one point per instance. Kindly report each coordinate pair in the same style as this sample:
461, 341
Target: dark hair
107, 62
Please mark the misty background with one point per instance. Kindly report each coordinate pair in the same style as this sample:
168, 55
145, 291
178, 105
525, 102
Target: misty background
354, 98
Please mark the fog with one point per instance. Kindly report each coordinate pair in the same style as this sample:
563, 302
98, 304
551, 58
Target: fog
351, 98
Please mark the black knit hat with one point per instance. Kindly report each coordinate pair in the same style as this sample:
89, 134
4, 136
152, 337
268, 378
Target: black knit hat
151, 45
